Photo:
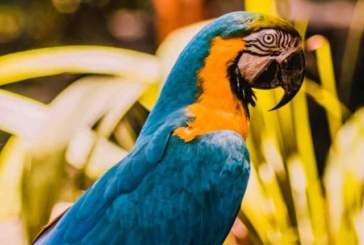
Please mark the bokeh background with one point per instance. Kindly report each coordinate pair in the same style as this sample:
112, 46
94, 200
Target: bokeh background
78, 78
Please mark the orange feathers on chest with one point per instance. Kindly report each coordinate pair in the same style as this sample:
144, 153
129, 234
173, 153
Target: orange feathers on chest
216, 108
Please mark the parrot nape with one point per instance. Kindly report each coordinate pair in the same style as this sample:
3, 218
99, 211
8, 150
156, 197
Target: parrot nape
184, 181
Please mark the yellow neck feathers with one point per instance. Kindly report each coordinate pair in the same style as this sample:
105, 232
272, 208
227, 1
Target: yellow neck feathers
216, 108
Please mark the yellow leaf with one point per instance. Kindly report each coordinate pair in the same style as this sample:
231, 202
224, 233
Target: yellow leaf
24, 65
261, 6
20, 115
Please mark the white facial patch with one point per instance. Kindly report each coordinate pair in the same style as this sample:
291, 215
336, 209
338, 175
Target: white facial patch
270, 42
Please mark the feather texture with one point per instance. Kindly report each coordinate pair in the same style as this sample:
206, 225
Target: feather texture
191, 196
167, 190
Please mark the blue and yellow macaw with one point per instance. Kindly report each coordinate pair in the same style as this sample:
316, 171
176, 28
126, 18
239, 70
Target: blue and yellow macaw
184, 181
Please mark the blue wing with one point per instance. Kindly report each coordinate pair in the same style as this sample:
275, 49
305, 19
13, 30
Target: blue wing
165, 192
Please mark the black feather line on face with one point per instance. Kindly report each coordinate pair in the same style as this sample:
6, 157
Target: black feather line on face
240, 87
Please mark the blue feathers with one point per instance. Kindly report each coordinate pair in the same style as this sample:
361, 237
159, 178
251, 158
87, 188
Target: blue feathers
190, 197
167, 191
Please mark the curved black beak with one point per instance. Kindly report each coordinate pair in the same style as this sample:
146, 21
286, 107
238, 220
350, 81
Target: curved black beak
291, 77
285, 70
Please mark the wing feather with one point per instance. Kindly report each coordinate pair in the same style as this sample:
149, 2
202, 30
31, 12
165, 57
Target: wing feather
190, 197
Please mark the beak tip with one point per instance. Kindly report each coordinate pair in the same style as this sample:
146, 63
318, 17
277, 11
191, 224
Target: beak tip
287, 97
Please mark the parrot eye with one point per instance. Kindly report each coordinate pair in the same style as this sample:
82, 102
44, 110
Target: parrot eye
268, 39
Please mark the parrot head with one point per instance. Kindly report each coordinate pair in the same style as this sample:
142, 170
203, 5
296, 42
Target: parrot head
272, 57
215, 75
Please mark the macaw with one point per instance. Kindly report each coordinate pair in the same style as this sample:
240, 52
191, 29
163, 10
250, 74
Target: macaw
184, 181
